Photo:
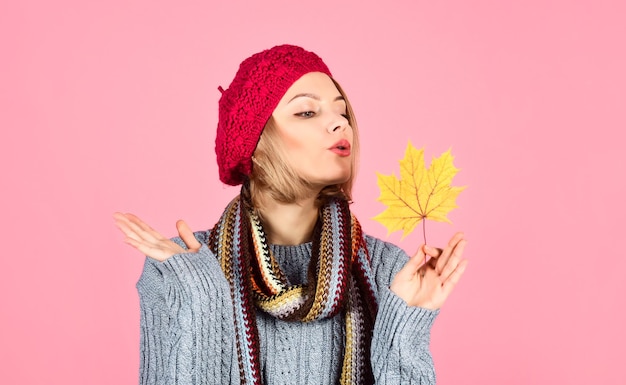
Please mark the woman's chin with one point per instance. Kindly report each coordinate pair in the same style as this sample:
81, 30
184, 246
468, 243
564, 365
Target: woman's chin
334, 180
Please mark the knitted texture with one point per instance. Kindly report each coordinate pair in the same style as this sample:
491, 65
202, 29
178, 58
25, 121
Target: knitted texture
188, 333
336, 282
248, 103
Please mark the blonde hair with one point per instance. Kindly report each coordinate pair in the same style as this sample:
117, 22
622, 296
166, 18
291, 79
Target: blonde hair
273, 178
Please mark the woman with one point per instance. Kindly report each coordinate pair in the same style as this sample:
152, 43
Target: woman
286, 289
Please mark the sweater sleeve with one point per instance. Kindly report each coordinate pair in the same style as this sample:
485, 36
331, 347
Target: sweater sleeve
186, 321
400, 352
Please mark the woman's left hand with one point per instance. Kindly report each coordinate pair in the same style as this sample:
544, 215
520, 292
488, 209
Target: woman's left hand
427, 283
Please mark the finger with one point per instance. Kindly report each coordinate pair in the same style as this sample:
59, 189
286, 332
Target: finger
447, 252
143, 226
412, 266
125, 217
125, 228
121, 222
455, 277
140, 228
185, 233
432, 253
453, 260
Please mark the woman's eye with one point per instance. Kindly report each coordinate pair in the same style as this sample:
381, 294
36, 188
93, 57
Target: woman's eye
306, 114
346, 116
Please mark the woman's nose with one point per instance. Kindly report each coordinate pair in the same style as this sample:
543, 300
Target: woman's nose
339, 124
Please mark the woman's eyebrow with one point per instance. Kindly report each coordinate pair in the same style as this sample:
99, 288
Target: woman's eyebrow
313, 96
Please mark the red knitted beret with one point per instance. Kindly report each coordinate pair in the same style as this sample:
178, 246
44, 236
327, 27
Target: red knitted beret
248, 103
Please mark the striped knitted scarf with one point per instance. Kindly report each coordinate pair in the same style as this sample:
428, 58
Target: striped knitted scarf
339, 280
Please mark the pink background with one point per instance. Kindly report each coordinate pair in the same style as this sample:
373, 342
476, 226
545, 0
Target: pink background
112, 105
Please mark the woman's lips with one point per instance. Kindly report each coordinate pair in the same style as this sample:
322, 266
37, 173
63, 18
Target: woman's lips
341, 148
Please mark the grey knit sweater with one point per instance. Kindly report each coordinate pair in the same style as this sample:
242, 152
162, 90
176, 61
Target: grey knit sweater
188, 336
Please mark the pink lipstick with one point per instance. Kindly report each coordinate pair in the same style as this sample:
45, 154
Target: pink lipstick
341, 148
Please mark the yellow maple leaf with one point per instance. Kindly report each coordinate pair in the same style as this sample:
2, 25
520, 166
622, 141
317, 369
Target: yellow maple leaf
419, 194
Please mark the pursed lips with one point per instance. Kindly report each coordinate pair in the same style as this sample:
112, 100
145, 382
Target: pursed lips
341, 148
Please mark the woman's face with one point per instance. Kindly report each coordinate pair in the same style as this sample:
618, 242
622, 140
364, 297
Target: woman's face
311, 120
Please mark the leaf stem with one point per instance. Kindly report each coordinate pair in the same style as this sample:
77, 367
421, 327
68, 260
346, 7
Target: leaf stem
424, 229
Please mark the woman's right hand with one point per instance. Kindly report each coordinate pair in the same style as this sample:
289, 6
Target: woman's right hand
150, 242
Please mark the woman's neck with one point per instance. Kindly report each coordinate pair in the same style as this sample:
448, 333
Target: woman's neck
289, 223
